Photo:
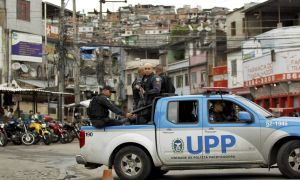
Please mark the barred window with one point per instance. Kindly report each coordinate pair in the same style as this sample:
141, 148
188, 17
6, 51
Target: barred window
23, 10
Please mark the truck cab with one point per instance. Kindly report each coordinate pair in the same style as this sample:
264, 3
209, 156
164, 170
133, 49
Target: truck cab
196, 132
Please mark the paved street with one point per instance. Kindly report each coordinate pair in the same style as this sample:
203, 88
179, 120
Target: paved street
57, 162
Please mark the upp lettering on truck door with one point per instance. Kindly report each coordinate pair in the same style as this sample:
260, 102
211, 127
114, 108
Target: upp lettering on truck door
180, 121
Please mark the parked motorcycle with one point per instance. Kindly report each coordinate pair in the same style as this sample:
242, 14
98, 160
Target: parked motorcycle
74, 127
28, 137
58, 133
14, 132
3, 136
41, 132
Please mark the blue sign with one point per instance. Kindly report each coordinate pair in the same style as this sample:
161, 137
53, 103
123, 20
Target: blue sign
26, 47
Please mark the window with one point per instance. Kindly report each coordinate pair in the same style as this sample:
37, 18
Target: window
186, 78
244, 25
194, 77
203, 76
129, 79
179, 80
181, 112
23, 10
233, 68
223, 111
233, 29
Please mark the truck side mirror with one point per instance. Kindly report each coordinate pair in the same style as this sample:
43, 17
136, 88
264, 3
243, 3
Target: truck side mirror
245, 117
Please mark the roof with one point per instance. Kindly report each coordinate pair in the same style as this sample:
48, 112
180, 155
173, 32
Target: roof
272, 6
30, 91
36, 83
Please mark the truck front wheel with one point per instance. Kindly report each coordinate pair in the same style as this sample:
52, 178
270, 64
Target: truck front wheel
288, 159
132, 162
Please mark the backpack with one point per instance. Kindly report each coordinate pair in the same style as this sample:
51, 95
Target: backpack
93, 109
168, 85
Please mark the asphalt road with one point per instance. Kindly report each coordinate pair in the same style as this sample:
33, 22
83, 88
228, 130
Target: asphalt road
57, 162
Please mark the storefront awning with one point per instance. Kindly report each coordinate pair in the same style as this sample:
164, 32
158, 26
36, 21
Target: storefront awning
36, 83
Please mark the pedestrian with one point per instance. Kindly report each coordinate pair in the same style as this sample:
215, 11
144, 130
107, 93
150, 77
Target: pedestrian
137, 90
31, 115
2, 113
167, 85
99, 107
9, 114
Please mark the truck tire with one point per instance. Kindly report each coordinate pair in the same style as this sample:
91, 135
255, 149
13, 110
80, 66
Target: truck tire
288, 159
131, 163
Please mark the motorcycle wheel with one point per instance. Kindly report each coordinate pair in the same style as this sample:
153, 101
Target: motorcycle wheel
47, 139
3, 139
71, 136
54, 137
36, 137
28, 139
65, 138
16, 140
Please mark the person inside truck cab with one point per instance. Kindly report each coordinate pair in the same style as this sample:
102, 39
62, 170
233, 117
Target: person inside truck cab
216, 113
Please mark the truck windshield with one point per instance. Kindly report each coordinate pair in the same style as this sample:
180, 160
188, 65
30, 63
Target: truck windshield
258, 109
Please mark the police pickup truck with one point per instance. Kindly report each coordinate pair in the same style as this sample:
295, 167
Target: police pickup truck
192, 132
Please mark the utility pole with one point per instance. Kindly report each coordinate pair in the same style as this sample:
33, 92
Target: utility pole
101, 63
76, 57
61, 62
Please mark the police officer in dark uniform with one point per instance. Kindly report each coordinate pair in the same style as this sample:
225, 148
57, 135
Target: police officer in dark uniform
137, 91
102, 118
151, 84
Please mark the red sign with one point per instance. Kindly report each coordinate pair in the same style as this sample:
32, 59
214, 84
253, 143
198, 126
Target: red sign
220, 70
223, 83
272, 79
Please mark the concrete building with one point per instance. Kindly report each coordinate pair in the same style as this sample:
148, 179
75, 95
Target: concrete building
271, 69
270, 15
236, 32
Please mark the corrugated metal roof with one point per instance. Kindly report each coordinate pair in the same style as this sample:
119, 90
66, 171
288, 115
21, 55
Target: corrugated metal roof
21, 90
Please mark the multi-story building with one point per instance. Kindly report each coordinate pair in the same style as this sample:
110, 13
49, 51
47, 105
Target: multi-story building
236, 33
271, 69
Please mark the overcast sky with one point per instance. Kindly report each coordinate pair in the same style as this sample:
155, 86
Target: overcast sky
89, 5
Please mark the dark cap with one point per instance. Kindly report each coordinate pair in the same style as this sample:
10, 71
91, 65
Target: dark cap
111, 89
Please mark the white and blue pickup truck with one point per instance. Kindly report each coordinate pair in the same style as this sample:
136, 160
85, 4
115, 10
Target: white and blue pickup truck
185, 134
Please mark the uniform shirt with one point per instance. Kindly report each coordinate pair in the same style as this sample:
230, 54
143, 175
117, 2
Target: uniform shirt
152, 86
105, 105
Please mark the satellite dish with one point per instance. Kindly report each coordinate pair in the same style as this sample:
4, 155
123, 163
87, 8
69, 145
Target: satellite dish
24, 68
207, 28
33, 73
200, 28
190, 27
16, 66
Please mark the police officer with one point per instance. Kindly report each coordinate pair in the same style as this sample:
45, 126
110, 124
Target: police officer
137, 91
151, 84
102, 119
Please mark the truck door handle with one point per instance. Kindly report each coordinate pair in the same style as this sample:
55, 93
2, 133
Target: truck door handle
210, 130
168, 131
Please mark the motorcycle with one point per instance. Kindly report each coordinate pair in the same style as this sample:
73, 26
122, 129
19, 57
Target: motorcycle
3, 136
14, 132
40, 130
58, 133
28, 137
